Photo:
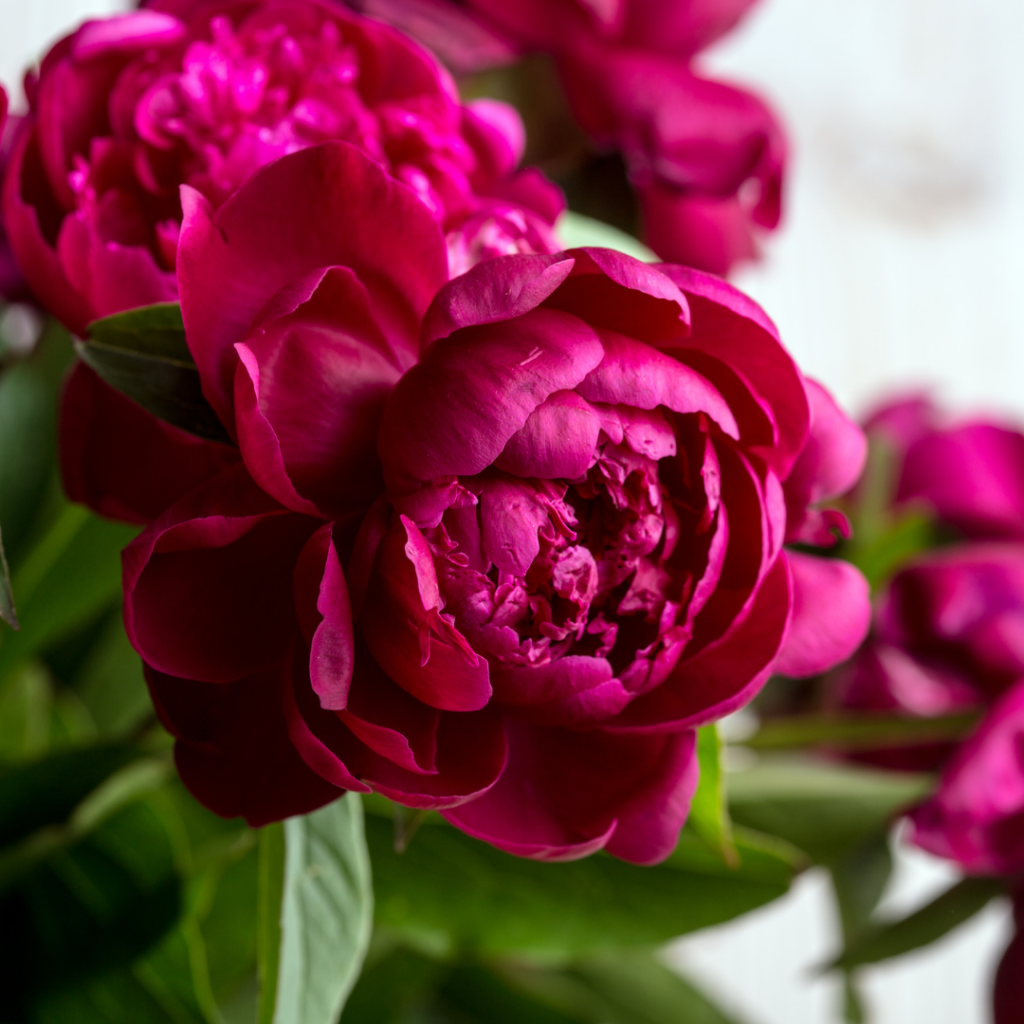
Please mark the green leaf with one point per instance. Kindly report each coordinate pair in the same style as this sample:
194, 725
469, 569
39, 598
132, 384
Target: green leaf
853, 731
109, 680
47, 791
7, 610
624, 987
26, 452
143, 354
326, 913
823, 809
709, 812
70, 578
949, 910
576, 230
268, 935
26, 713
93, 906
392, 986
448, 892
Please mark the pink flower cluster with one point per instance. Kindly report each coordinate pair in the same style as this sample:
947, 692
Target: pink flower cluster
127, 109
495, 528
948, 632
706, 158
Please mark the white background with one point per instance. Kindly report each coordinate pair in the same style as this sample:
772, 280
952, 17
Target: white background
901, 263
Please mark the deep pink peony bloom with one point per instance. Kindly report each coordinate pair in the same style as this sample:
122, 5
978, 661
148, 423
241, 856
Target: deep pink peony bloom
496, 548
971, 473
977, 816
706, 158
128, 108
948, 637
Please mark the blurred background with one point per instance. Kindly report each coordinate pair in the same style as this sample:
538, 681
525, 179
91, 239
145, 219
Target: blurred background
899, 266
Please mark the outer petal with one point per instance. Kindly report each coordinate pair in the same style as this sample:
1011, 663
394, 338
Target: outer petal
558, 799
829, 465
972, 475
831, 614
707, 232
453, 413
732, 328
977, 816
121, 461
683, 28
468, 755
403, 626
26, 194
233, 750
310, 390
493, 292
208, 586
320, 207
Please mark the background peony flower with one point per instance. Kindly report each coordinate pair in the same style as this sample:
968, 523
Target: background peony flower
128, 108
977, 815
567, 555
706, 158
971, 473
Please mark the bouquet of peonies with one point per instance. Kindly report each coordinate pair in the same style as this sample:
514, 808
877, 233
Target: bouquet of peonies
436, 497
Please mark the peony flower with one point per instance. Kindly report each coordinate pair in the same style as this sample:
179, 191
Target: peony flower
496, 546
127, 109
976, 817
705, 157
970, 473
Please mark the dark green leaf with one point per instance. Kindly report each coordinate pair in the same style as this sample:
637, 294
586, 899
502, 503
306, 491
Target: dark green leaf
823, 809
26, 713
7, 610
326, 912
70, 578
449, 892
624, 987
853, 731
392, 986
109, 681
26, 452
91, 907
143, 354
859, 878
947, 911
47, 791
156, 330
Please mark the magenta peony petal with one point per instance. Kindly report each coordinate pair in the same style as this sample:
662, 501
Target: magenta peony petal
635, 374
831, 614
469, 748
208, 585
454, 412
412, 641
556, 799
287, 220
310, 390
233, 751
121, 461
559, 439
723, 676
735, 330
972, 475
493, 291
327, 625
977, 816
